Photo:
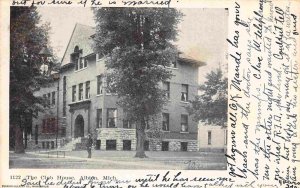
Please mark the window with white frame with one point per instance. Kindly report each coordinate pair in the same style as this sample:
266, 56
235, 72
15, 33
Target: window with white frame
74, 93
127, 123
184, 123
166, 88
184, 92
81, 63
111, 117
165, 122
87, 89
80, 92
99, 84
99, 118
209, 137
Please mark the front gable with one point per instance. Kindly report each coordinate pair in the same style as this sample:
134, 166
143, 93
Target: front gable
81, 38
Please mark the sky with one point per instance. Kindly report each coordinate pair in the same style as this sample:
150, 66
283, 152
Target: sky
202, 35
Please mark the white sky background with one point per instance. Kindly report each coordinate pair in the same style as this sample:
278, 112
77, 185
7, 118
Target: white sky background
202, 35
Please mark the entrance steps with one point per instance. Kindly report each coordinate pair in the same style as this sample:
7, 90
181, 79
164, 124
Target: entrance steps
75, 144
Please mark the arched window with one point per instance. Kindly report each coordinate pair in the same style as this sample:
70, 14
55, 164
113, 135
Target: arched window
76, 49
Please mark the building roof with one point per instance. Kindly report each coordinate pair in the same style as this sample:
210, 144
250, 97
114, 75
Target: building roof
81, 37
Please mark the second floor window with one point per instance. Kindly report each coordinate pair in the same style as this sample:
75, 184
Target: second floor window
73, 93
184, 123
99, 85
111, 118
127, 124
99, 118
80, 92
166, 88
209, 137
184, 92
53, 98
87, 89
165, 122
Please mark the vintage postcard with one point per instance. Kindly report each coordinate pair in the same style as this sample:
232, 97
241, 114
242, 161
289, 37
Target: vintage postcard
125, 93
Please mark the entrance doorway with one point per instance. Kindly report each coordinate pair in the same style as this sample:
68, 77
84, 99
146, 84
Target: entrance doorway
79, 127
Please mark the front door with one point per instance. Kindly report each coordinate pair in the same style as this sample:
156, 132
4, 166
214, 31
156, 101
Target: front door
79, 127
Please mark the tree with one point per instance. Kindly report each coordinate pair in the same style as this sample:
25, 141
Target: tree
211, 105
27, 38
137, 43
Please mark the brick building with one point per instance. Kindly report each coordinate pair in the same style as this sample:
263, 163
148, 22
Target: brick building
81, 104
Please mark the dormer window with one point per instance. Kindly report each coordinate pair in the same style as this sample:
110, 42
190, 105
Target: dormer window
76, 58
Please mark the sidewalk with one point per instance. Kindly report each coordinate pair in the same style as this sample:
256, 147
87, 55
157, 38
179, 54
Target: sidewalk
120, 160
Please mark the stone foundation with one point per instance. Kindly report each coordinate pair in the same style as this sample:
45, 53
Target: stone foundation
174, 145
118, 135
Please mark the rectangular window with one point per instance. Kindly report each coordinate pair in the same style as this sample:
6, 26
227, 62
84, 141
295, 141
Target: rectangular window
53, 98
165, 122
209, 137
164, 146
184, 123
166, 88
85, 62
76, 61
127, 145
73, 93
99, 85
111, 144
99, 118
184, 92
183, 146
127, 124
48, 98
80, 63
111, 118
87, 89
80, 92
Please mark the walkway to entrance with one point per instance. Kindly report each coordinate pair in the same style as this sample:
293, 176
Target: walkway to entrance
79, 127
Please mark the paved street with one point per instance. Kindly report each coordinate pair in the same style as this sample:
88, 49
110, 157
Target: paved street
119, 160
